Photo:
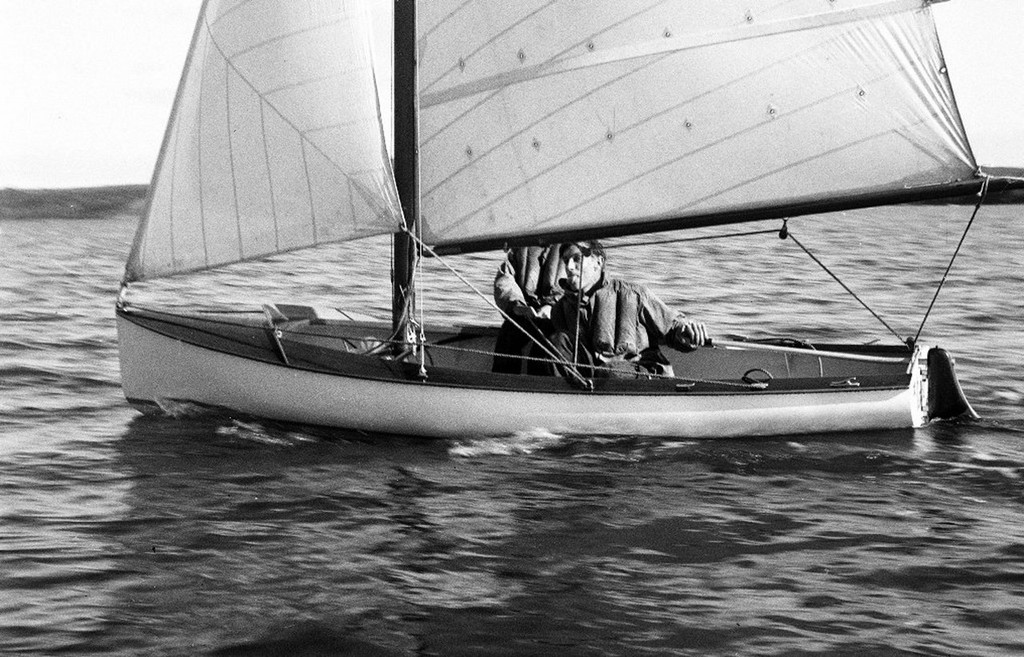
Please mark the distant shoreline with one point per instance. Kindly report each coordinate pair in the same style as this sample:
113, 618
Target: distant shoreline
77, 203
105, 201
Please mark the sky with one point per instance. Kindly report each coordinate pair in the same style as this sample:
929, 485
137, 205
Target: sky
86, 86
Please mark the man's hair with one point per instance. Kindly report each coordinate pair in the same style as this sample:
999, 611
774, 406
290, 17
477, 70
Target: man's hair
587, 248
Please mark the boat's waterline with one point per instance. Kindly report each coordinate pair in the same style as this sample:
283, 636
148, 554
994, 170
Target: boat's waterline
156, 368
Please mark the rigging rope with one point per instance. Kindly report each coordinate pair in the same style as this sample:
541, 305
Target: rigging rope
418, 273
981, 200
784, 233
579, 311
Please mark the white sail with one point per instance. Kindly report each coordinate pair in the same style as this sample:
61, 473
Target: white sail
540, 117
275, 142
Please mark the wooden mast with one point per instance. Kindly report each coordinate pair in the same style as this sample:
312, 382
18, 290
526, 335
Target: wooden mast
406, 144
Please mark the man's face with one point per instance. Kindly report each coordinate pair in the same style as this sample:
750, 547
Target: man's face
582, 271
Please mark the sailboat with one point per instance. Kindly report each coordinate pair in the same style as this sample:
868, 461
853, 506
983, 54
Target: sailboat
533, 123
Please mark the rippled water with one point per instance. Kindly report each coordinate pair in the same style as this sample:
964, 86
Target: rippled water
124, 534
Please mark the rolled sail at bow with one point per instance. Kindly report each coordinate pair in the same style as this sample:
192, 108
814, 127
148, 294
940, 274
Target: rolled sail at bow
605, 117
275, 141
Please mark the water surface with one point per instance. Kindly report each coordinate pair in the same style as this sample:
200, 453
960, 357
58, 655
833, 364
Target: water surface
125, 534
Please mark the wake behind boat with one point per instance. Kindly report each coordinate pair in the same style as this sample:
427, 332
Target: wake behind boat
534, 126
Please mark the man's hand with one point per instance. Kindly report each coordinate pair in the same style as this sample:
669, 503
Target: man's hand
522, 310
696, 334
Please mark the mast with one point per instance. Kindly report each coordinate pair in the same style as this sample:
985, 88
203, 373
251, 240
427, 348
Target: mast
406, 143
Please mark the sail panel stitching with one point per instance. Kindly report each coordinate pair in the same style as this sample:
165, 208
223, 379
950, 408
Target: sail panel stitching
499, 90
270, 175
199, 151
309, 188
230, 11
231, 158
367, 194
663, 46
568, 159
271, 105
283, 37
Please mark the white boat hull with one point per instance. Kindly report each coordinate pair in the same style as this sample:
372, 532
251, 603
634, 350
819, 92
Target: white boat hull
157, 368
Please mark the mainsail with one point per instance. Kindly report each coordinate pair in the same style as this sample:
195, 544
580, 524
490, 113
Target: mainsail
610, 117
275, 142
541, 119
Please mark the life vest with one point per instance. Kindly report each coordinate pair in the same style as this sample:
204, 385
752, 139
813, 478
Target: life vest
616, 321
538, 271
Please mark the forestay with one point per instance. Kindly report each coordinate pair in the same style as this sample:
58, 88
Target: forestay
275, 142
546, 118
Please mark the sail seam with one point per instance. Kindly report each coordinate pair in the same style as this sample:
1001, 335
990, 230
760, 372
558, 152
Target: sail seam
170, 209
309, 189
191, 220
231, 157
895, 70
231, 11
199, 150
284, 37
740, 184
308, 81
135, 268
330, 126
494, 38
445, 19
512, 137
661, 46
351, 204
367, 194
270, 175
270, 104
626, 129
497, 91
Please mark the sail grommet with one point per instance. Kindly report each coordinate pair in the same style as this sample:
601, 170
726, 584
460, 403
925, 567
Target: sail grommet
469, 151
668, 33
462, 64
521, 55
535, 144
590, 46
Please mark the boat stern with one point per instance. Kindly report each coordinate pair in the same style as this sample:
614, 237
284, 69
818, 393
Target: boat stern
937, 390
